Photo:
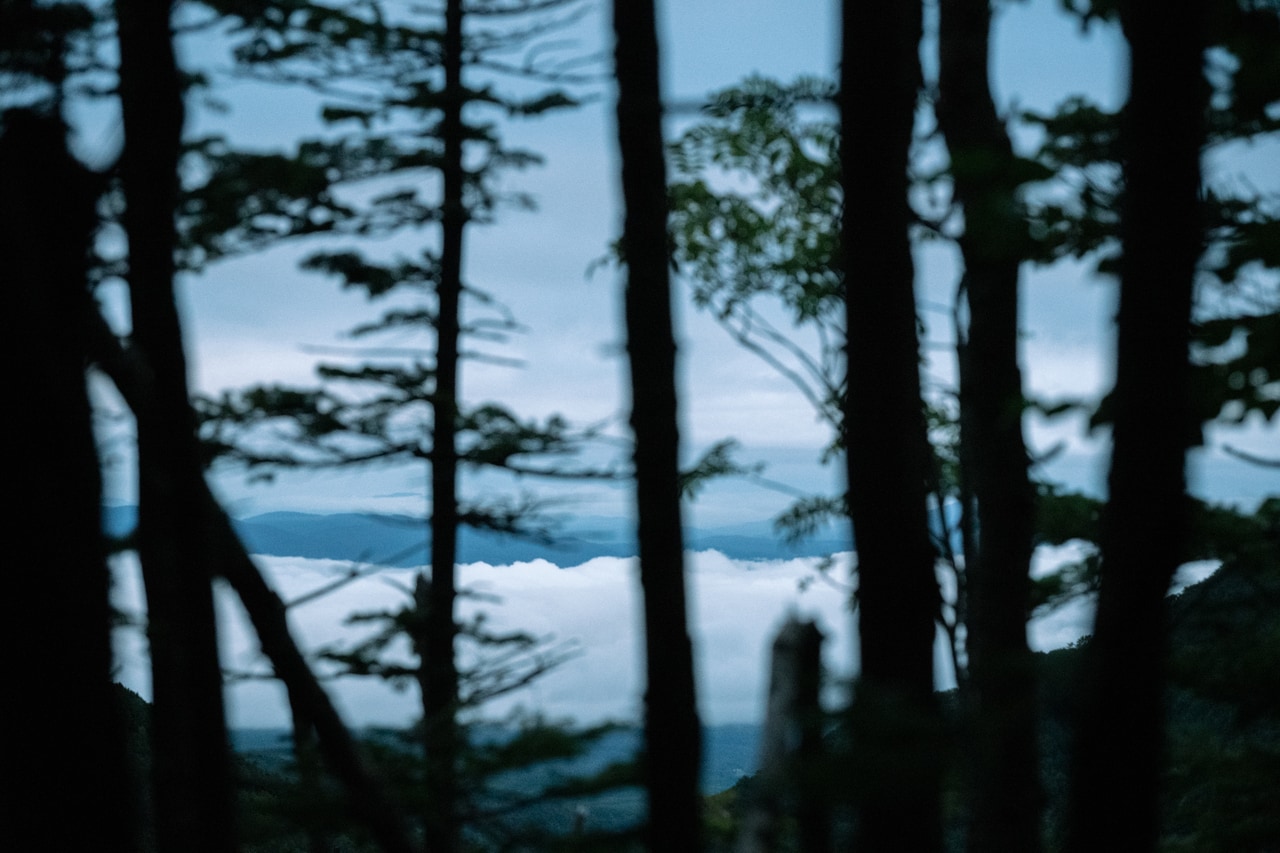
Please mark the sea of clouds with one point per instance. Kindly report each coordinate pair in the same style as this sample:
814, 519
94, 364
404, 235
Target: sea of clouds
737, 606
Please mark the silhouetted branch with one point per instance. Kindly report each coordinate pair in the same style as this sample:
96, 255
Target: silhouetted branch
1252, 459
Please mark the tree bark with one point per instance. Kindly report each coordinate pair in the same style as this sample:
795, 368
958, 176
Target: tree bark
896, 716
1120, 746
1005, 806
65, 756
191, 758
672, 731
440, 697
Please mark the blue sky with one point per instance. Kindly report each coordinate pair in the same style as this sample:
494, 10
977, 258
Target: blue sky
258, 319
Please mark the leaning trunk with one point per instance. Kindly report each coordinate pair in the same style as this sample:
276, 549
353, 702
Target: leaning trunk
896, 716
190, 756
672, 732
1120, 748
307, 698
1006, 793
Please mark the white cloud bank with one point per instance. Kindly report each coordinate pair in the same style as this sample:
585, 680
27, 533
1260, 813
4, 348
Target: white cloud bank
737, 607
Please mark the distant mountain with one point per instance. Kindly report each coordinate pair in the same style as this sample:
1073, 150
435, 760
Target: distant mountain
403, 541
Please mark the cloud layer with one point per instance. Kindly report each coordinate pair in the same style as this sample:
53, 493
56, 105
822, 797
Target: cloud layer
737, 607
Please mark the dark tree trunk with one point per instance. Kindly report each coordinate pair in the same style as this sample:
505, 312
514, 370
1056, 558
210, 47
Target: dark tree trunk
308, 699
672, 732
1121, 742
191, 759
266, 611
1006, 796
791, 782
440, 697
896, 716
65, 755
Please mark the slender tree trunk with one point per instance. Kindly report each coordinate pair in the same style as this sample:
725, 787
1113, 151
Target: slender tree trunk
191, 759
440, 700
65, 755
1006, 797
896, 716
672, 731
1121, 740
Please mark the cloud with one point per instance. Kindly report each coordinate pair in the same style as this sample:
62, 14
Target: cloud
738, 606
596, 605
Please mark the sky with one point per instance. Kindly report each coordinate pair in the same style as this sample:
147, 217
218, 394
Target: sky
258, 319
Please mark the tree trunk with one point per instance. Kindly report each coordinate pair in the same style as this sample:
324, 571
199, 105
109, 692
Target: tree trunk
65, 756
672, 732
191, 758
1006, 797
440, 699
896, 716
1120, 747
790, 782
266, 612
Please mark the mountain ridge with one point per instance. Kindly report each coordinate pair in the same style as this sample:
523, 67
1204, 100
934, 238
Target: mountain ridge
401, 541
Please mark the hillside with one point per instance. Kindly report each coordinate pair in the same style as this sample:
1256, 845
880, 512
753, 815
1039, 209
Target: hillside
1223, 776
